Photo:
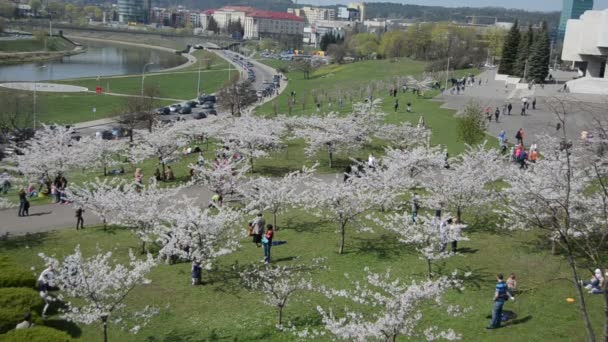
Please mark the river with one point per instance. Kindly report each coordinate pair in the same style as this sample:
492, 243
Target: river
100, 59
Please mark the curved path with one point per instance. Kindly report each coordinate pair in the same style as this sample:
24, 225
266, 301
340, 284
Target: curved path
49, 217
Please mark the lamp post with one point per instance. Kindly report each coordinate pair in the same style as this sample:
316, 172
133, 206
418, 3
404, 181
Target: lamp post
447, 74
198, 84
35, 93
142, 78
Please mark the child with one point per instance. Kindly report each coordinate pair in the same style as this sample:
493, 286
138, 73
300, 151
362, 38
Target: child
512, 284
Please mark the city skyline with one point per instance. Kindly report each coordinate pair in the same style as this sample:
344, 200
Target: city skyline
537, 5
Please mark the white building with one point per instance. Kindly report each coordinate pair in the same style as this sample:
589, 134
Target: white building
312, 15
261, 24
228, 14
314, 33
586, 44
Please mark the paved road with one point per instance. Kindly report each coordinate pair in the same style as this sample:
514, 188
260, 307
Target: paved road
49, 217
538, 122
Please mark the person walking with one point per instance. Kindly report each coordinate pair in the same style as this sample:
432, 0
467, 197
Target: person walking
534, 103
519, 136
257, 229
497, 114
267, 242
396, 105
500, 296
44, 280
415, 206
22, 200
509, 108
523, 110
79, 218
5, 181
409, 107
196, 273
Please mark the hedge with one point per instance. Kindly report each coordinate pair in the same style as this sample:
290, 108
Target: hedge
10, 317
36, 334
13, 275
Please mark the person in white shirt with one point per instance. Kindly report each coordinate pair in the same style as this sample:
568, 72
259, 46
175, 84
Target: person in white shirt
44, 281
27, 322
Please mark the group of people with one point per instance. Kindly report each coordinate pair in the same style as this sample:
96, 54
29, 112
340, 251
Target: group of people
596, 284
504, 291
262, 237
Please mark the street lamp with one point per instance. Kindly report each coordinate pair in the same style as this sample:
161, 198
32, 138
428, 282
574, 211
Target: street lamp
142, 78
447, 74
35, 87
198, 85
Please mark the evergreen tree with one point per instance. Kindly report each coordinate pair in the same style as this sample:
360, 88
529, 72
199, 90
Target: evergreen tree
509, 51
540, 53
523, 52
213, 26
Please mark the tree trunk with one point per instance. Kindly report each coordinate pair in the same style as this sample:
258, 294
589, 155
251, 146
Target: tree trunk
430, 269
553, 247
143, 247
104, 319
342, 234
164, 176
251, 163
581, 299
605, 313
105, 171
331, 159
274, 221
105, 224
280, 313
459, 215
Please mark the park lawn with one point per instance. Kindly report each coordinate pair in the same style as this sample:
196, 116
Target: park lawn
32, 45
223, 310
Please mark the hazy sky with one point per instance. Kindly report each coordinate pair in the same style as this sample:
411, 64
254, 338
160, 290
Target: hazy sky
533, 5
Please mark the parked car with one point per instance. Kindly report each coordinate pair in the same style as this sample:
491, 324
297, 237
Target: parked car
200, 115
164, 111
185, 110
207, 105
192, 104
210, 112
175, 107
107, 135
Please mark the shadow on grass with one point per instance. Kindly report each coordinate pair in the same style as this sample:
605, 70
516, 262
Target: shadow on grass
478, 276
190, 336
23, 241
69, 327
467, 250
303, 227
383, 247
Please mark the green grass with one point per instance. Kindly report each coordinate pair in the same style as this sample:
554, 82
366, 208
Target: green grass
224, 310
32, 45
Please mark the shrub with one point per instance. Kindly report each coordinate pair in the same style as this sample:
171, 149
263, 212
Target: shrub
13, 275
36, 334
20, 297
10, 317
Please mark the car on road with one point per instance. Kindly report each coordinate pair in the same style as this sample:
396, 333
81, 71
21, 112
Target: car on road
200, 115
185, 110
210, 112
207, 98
175, 108
107, 135
207, 105
164, 111
192, 104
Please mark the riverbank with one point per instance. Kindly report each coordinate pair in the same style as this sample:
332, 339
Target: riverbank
30, 50
189, 58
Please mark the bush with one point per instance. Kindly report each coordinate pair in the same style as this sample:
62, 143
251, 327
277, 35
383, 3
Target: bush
36, 334
10, 317
20, 297
13, 275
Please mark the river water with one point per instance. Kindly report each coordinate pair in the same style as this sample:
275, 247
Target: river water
100, 59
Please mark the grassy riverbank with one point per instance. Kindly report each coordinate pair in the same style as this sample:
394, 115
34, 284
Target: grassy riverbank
34, 45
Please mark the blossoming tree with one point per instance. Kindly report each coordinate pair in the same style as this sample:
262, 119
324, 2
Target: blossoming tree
96, 287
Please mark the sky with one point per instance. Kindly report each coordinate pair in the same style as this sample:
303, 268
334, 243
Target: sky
532, 5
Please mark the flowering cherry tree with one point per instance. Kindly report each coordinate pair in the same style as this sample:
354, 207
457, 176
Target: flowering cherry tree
163, 143
341, 202
398, 306
564, 195
465, 184
224, 177
276, 194
338, 134
199, 234
253, 137
100, 153
278, 283
6, 204
101, 197
404, 135
143, 209
50, 151
96, 287
427, 234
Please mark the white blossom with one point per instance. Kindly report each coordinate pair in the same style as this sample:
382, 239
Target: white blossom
101, 197
100, 153
396, 309
96, 287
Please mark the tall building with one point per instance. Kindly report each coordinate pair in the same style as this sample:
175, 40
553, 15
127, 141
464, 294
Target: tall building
572, 9
312, 15
134, 11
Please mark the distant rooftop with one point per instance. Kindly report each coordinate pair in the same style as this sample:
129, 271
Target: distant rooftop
275, 15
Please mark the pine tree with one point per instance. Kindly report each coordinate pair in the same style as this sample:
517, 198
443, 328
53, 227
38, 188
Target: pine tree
540, 53
509, 51
523, 52
213, 26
